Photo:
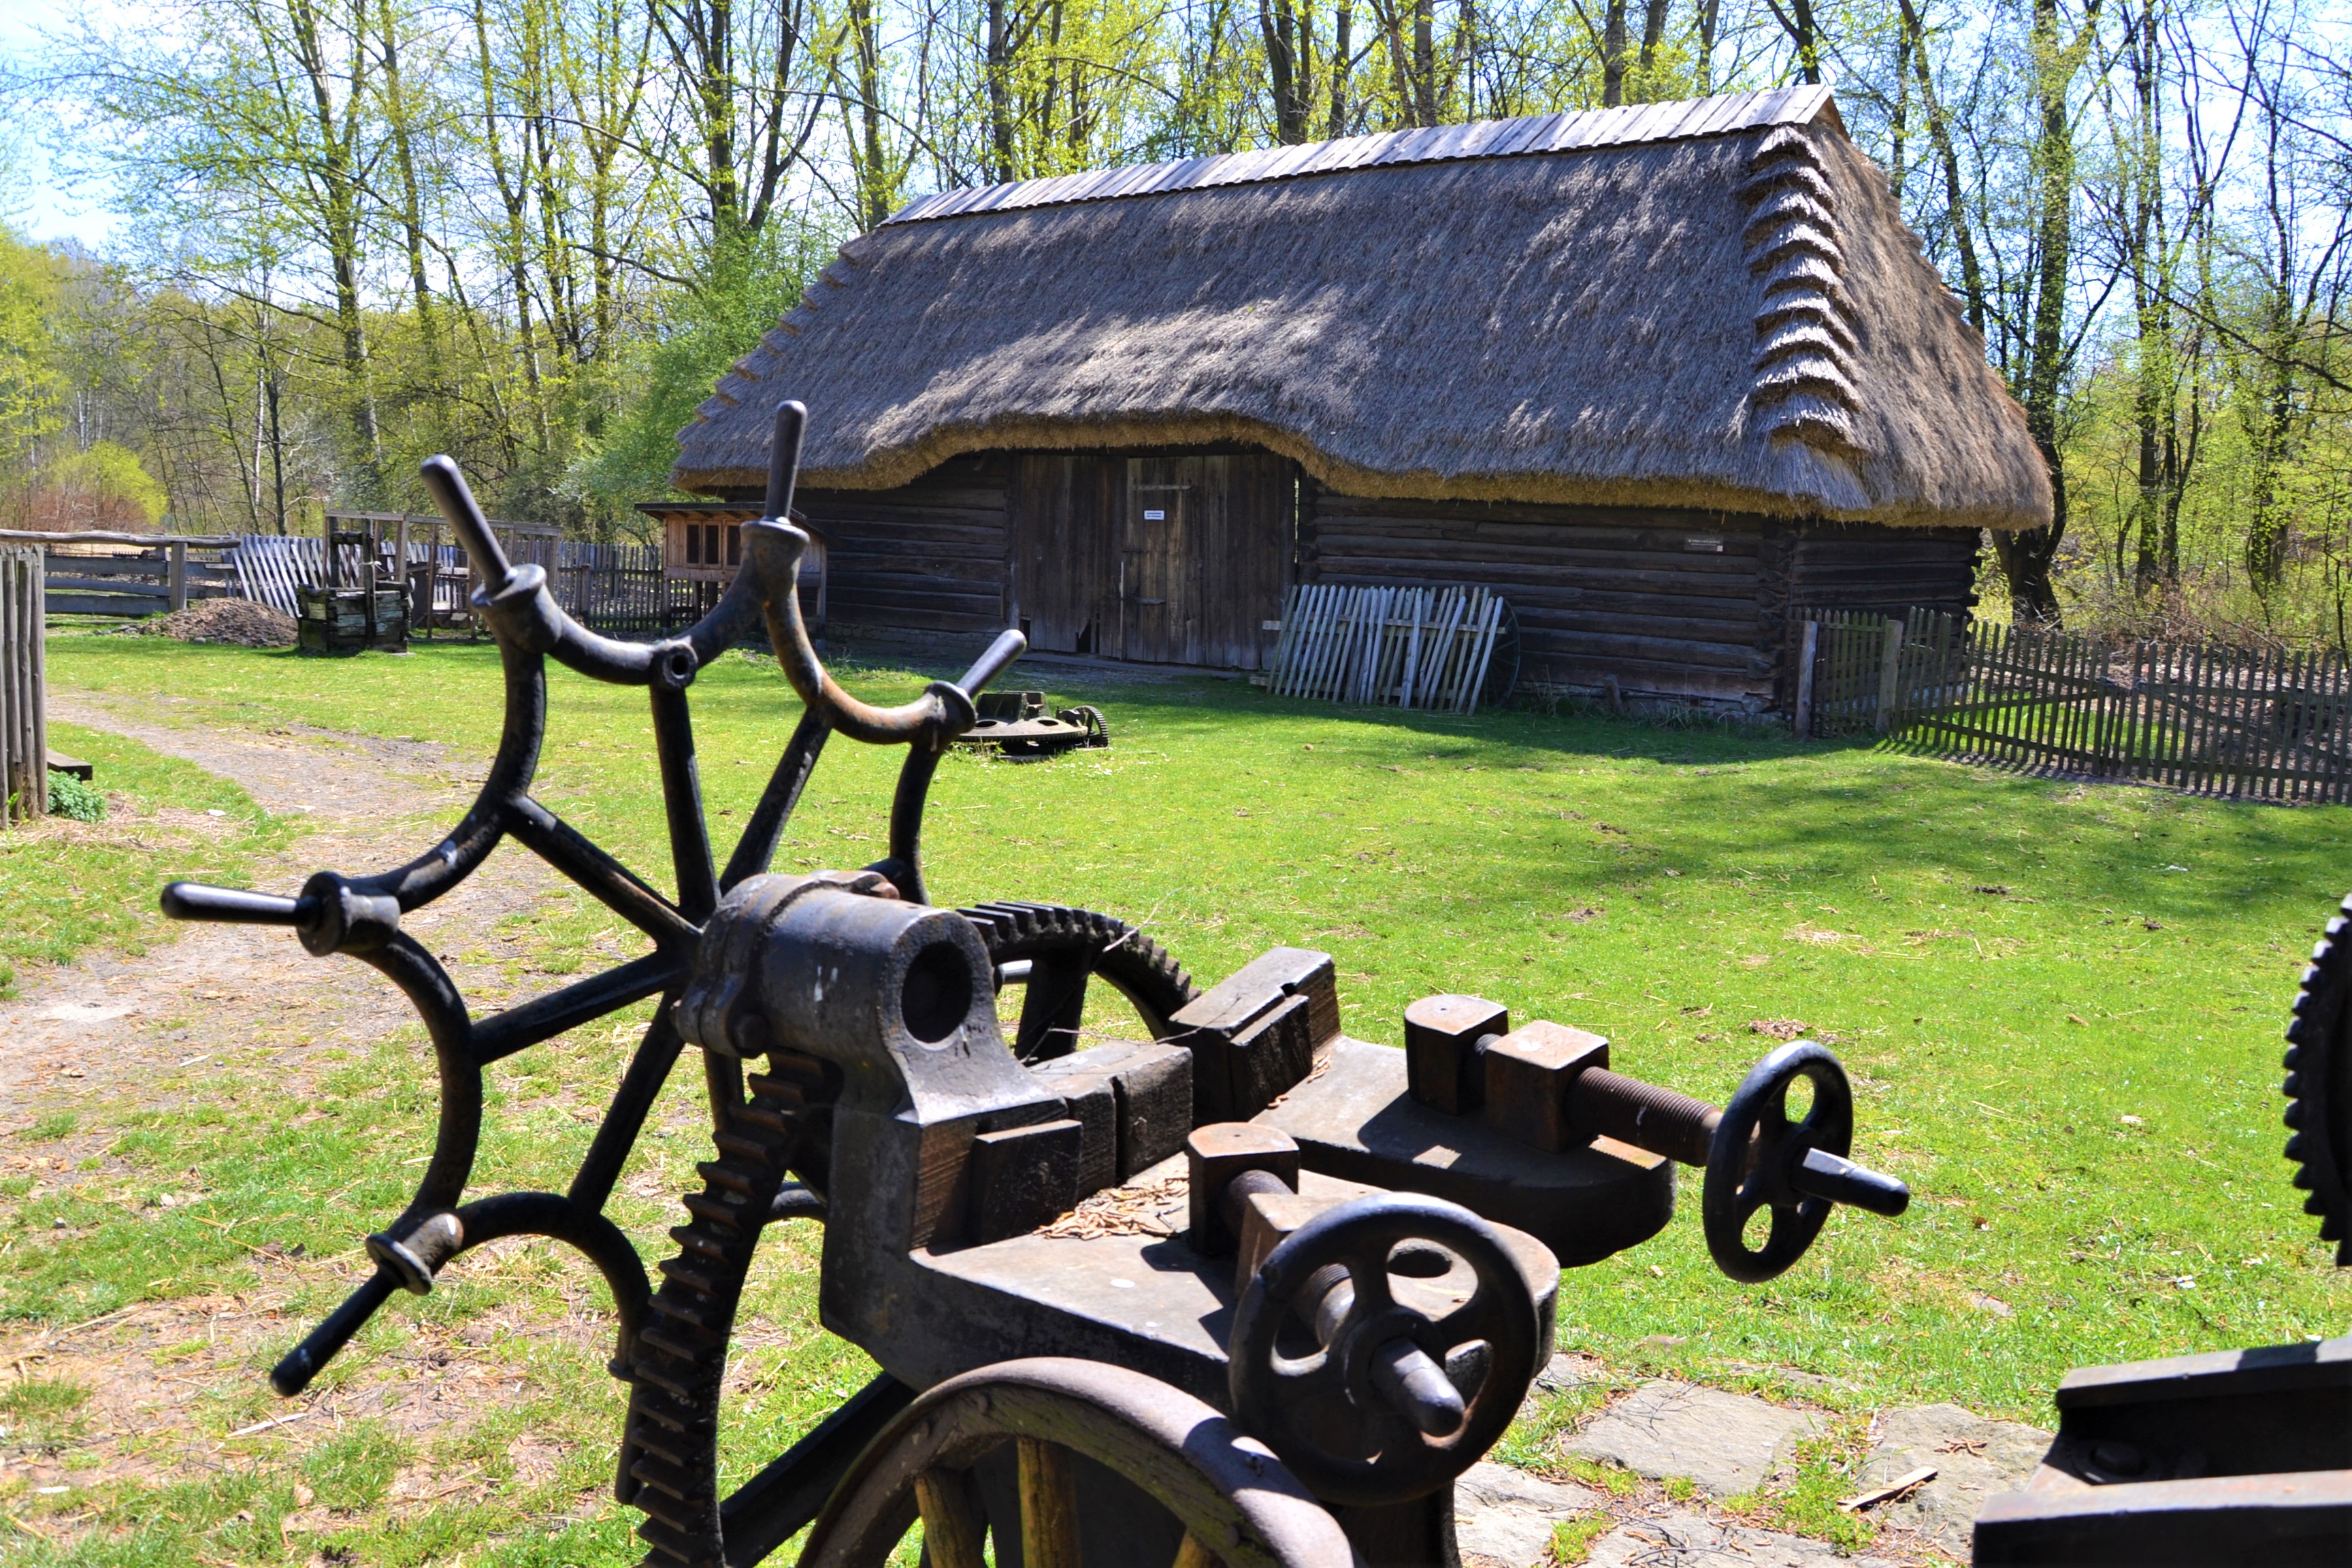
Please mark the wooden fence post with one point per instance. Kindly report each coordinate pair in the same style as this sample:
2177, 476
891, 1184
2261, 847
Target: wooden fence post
1890, 661
1808, 646
178, 575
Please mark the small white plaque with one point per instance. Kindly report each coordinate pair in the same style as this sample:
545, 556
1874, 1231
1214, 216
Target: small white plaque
1153, 514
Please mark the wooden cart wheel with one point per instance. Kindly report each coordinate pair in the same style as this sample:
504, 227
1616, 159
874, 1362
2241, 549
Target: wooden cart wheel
1238, 1506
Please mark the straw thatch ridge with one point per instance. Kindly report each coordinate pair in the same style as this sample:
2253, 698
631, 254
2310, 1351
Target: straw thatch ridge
1737, 322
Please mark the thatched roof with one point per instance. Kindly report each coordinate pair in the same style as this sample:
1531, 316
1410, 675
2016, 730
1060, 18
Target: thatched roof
1707, 305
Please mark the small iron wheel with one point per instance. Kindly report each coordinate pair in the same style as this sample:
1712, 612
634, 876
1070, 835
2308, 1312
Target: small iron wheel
1235, 1503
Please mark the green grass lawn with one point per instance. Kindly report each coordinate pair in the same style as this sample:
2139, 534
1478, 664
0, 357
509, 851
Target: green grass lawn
2061, 1006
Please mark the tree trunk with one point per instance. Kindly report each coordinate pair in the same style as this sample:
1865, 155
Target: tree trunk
1612, 55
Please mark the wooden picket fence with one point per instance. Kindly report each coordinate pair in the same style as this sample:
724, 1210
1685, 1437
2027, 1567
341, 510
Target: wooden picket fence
2265, 724
23, 729
1412, 647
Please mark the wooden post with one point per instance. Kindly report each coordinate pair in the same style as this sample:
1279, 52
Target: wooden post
1809, 644
177, 576
1890, 659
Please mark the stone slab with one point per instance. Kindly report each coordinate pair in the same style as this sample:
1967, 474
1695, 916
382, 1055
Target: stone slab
1503, 1516
1687, 1540
1975, 1459
1725, 1442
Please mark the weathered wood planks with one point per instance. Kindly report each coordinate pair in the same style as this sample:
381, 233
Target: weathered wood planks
24, 725
2266, 724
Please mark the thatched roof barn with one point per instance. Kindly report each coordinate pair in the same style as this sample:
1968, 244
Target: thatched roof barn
1502, 352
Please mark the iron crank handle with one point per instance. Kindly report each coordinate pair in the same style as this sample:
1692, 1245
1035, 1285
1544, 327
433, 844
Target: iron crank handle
1009, 645
774, 547
231, 906
1666, 1121
304, 1362
457, 502
1822, 1174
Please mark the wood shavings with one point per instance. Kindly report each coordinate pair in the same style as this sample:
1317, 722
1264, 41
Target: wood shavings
1141, 1208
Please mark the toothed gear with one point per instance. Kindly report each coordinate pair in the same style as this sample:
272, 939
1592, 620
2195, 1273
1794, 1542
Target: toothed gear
669, 1451
2319, 1086
1066, 946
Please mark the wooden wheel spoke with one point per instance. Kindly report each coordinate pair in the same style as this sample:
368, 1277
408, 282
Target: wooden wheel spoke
955, 1532
1049, 1505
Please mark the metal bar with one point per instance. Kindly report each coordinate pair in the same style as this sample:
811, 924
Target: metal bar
689, 836
544, 1017
611, 883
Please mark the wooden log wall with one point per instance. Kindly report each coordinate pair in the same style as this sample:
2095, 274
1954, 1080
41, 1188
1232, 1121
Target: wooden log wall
1665, 602
929, 556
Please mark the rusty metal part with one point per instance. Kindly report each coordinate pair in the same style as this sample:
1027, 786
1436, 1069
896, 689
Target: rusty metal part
1181, 1458
2319, 1085
1014, 724
2230, 1456
1551, 1086
361, 917
1358, 1416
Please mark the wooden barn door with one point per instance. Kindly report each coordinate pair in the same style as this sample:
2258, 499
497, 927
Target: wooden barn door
1159, 561
1063, 564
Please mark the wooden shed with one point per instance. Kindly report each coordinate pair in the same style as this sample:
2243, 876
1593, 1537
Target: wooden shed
1664, 375
702, 543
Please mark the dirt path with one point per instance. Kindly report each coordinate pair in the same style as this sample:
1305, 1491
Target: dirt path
369, 803
95, 1032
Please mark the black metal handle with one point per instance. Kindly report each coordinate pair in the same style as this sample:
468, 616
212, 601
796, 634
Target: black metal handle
1009, 645
1822, 1174
303, 1363
230, 906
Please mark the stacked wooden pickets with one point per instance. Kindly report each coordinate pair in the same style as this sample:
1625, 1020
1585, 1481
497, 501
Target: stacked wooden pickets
24, 730
1413, 647
2272, 724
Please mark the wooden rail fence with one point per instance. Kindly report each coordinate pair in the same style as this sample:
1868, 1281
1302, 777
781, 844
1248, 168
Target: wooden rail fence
615, 588
24, 730
2269, 725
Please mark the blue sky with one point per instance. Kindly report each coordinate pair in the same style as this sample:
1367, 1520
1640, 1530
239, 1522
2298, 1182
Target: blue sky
45, 211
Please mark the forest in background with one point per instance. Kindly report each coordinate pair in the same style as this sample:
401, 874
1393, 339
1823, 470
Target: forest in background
531, 233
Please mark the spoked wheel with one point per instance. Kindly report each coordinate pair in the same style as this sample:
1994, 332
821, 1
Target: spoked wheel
1052, 951
1229, 1500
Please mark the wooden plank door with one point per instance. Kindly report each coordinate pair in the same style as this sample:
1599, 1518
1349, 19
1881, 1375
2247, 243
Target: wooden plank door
1063, 511
1242, 536
1159, 562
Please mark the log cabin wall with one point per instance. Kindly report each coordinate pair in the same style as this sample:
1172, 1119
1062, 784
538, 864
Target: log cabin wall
928, 556
1667, 602
1693, 604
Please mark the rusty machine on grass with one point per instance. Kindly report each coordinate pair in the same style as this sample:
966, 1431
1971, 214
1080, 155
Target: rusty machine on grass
1249, 1293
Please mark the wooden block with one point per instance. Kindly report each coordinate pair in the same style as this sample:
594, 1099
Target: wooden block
1090, 1093
1024, 1177
1215, 1155
1155, 1106
1134, 1098
1234, 1020
1268, 1220
1443, 1069
1269, 1056
1528, 1075
58, 762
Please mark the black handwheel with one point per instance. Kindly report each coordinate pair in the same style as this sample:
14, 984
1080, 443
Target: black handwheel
1352, 1415
1756, 1155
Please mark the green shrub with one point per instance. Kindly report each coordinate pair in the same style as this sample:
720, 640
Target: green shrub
70, 796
